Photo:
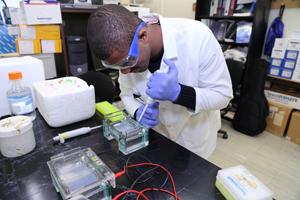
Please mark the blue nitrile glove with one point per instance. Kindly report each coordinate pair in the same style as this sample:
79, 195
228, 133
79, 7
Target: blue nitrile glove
164, 86
150, 117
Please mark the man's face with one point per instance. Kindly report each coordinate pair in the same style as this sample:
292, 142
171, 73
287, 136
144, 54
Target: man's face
143, 60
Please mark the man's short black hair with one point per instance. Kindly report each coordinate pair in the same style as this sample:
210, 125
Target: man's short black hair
111, 28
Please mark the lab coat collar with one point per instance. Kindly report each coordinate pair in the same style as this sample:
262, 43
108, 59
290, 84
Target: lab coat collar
169, 42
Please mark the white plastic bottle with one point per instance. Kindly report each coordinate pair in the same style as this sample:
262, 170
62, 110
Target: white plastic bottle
19, 97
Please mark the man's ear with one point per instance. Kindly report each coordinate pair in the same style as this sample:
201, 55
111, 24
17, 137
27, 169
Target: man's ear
143, 36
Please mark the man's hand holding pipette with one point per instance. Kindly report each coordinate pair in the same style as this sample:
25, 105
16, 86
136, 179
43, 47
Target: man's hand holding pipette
162, 85
147, 114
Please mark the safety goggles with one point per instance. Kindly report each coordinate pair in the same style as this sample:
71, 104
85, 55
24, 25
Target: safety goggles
133, 53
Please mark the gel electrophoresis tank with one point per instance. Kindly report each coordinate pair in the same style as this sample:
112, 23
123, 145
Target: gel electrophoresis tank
80, 172
130, 135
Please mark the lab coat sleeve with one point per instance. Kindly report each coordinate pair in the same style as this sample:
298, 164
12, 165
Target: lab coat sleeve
126, 95
214, 89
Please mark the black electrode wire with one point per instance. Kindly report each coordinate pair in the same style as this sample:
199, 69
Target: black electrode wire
137, 169
162, 185
142, 174
135, 181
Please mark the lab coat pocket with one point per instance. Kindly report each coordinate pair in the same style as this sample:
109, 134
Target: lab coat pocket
173, 117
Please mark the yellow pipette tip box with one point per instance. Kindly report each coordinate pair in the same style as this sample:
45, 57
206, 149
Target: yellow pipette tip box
105, 109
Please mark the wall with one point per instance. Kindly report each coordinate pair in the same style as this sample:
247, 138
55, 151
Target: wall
155, 6
178, 8
172, 8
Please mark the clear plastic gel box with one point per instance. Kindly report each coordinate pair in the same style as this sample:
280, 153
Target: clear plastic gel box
80, 172
130, 135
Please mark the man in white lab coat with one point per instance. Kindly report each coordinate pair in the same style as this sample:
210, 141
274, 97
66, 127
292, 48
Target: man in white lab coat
189, 90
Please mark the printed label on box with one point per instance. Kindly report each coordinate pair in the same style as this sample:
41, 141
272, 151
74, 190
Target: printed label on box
290, 64
288, 100
278, 53
286, 73
276, 62
274, 71
51, 46
290, 54
278, 118
27, 32
280, 44
272, 111
13, 30
48, 46
293, 44
26, 47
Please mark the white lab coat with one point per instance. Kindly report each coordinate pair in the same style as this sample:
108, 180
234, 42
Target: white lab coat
201, 65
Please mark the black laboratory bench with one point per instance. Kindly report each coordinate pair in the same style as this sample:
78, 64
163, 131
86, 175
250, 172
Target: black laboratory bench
28, 177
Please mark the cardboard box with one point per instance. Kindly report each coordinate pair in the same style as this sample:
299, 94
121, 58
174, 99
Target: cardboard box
42, 32
293, 133
51, 46
7, 42
288, 100
17, 16
48, 63
277, 119
40, 12
28, 46
48, 32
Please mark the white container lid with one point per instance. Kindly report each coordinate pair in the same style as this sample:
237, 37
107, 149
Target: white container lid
61, 86
13, 126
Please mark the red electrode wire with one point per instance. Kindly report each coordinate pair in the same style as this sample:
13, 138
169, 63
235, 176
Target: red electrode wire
156, 189
129, 191
117, 175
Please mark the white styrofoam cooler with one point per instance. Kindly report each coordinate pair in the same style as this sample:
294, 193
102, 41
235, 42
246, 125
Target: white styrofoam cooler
32, 70
63, 101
